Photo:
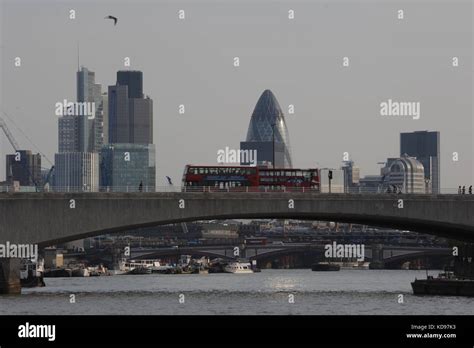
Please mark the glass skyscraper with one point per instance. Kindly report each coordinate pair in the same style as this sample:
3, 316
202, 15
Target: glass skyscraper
80, 138
90, 128
267, 118
127, 163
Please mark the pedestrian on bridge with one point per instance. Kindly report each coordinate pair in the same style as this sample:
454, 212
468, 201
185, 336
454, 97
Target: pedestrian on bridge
470, 190
459, 190
464, 190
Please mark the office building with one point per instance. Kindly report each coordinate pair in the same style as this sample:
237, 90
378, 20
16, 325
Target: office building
351, 177
76, 172
267, 124
90, 126
425, 147
80, 138
128, 168
130, 112
406, 174
133, 79
24, 167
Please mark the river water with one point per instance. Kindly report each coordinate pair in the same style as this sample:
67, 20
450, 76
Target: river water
268, 292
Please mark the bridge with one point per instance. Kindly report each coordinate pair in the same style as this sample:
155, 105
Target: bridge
52, 218
386, 254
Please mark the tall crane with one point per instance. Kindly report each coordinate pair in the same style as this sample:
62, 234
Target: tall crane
9, 135
15, 146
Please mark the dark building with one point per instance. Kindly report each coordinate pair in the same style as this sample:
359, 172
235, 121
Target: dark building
425, 146
24, 167
133, 80
268, 121
119, 115
130, 113
141, 117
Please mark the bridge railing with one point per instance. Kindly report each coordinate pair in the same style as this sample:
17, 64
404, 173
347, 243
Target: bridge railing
196, 189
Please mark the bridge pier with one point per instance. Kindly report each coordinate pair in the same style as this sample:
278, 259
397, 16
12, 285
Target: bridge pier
10, 276
377, 257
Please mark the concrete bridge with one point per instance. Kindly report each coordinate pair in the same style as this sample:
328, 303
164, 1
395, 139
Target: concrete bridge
51, 218
386, 254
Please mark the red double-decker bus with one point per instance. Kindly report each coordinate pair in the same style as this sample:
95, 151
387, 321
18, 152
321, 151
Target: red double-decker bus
242, 178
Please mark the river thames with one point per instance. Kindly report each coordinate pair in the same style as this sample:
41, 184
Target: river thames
278, 292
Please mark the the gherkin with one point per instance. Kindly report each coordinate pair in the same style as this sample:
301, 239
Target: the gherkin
268, 112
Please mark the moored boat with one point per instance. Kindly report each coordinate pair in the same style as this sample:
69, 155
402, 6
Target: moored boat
325, 267
238, 267
445, 284
31, 274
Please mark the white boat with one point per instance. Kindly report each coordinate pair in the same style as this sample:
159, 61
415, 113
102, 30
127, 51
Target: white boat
238, 267
81, 272
128, 266
353, 265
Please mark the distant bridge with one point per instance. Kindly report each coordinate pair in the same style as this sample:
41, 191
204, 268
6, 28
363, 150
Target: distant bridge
387, 254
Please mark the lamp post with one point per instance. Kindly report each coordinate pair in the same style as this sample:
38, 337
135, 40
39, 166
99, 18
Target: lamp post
273, 144
330, 178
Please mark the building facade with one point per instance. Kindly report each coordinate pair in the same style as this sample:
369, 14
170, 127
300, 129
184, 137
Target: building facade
407, 174
351, 177
128, 168
130, 113
91, 130
425, 147
76, 172
24, 167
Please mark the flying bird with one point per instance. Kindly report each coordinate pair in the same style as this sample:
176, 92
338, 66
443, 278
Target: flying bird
112, 17
169, 180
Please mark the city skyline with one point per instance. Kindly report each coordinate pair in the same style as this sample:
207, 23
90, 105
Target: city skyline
219, 98
129, 86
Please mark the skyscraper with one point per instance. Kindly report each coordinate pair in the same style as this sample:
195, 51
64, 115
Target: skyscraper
68, 134
90, 128
425, 146
130, 113
268, 122
127, 163
133, 79
119, 115
80, 138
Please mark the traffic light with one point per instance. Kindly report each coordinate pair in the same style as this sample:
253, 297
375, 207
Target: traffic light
330, 175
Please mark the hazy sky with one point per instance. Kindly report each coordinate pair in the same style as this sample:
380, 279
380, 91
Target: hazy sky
190, 62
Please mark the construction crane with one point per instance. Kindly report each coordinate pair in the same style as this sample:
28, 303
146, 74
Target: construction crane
47, 182
16, 148
9, 135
